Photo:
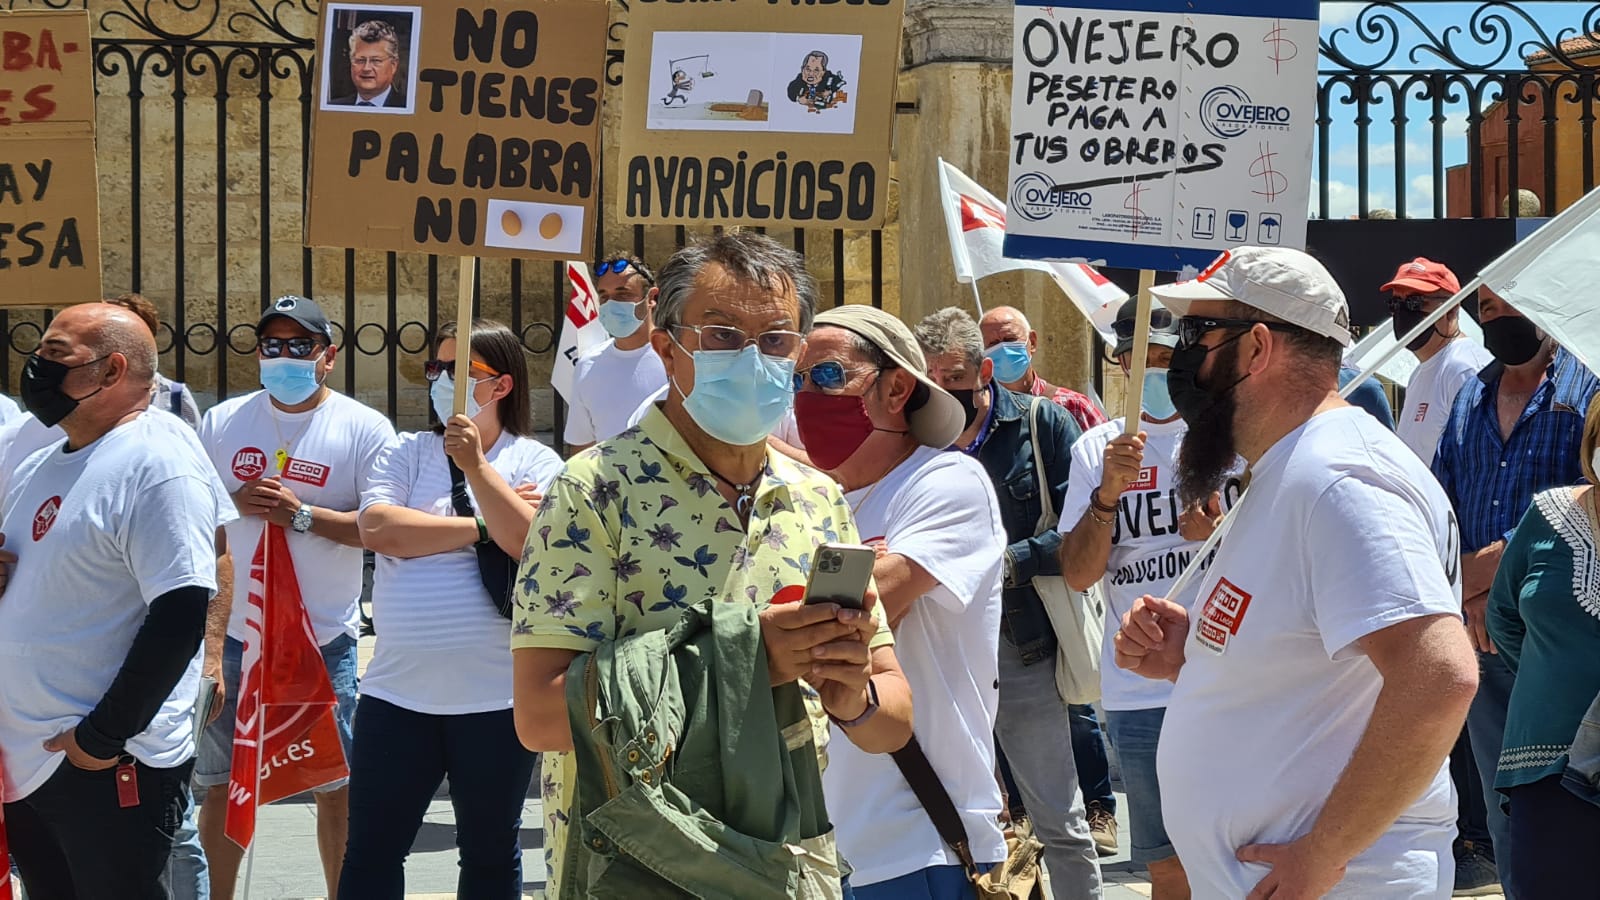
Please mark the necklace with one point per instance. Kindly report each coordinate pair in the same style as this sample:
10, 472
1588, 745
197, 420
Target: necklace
746, 492
856, 507
281, 457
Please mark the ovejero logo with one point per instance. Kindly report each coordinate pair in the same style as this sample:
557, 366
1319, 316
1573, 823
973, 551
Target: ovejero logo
1227, 112
1036, 198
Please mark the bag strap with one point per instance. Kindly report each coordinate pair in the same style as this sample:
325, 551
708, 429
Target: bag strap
175, 398
1047, 511
935, 800
458, 490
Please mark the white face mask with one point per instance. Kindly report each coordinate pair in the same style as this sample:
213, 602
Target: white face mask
442, 393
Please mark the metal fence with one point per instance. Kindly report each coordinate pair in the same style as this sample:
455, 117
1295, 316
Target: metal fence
206, 111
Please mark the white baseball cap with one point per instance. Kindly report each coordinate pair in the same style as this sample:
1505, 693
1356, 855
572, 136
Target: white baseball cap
1285, 283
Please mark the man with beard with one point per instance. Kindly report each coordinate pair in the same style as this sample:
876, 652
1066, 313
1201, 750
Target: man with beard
1445, 360
1324, 675
1513, 432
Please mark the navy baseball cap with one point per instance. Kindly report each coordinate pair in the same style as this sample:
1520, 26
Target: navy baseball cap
302, 310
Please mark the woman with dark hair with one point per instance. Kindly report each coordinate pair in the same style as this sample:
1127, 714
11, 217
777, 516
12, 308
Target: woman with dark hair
436, 698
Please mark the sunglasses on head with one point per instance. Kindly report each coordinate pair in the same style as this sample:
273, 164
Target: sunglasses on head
827, 376
433, 368
298, 348
621, 264
1160, 320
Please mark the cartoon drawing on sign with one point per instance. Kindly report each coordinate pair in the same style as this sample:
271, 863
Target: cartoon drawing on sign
369, 62
682, 83
525, 225
1238, 225
696, 96
816, 87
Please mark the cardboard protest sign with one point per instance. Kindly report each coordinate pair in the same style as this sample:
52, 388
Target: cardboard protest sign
49, 200
464, 128
1152, 134
759, 112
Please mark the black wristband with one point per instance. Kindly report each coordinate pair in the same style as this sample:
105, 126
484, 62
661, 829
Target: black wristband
1094, 501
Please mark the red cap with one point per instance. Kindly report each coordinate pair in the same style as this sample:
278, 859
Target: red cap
1425, 276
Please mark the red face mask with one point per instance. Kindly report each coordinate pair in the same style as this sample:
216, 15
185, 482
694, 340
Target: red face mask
832, 426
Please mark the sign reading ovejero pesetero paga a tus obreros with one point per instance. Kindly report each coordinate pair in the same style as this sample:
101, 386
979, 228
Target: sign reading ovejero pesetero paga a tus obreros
464, 128
759, 112
49, 202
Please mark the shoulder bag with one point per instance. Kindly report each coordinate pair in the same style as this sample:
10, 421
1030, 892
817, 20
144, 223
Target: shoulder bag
497, 568
1079, 619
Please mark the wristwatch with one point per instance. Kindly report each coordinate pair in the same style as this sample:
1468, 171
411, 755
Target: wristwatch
301, 523
872, 707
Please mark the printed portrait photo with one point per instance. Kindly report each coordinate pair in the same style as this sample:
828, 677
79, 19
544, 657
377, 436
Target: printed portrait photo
369, 58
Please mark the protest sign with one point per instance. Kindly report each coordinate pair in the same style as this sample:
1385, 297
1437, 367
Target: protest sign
759, 112
49, 203
463, 128
1151, 134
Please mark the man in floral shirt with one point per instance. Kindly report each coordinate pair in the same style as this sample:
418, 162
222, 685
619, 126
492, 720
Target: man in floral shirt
691, 506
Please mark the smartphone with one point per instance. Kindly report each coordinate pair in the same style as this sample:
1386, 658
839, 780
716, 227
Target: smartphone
840, 574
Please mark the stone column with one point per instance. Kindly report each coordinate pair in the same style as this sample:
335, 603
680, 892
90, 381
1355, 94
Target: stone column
957, 70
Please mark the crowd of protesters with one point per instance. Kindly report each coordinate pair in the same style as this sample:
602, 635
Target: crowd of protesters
1372, 688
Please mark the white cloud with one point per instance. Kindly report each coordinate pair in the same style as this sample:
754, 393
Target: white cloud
1344, 199
1339, 13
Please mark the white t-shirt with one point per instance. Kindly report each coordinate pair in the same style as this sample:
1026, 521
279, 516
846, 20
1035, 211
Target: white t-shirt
1147, 551
608, 386
443, 648
1343, 533
9, 409
99, 534
331, 450
939, 510
1432, 391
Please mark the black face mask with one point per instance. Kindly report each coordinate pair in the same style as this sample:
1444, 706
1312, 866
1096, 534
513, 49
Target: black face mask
41, 389
1189, 397
1405, 320
969, 408
1513, 340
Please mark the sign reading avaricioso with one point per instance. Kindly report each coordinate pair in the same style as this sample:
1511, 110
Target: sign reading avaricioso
49, 201
1152, 134
463, 128
759, 112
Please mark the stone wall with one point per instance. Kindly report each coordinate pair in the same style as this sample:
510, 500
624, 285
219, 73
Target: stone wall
201, 185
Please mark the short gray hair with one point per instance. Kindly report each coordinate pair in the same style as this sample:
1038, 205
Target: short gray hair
375, 31
951, 330
747, 256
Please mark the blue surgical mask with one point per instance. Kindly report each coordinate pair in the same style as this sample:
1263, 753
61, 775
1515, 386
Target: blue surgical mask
442, 394
290, 381
1157, 400
739, 396
620, 318
1011, 361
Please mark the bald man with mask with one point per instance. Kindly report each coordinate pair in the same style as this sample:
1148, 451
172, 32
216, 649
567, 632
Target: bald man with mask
113, 532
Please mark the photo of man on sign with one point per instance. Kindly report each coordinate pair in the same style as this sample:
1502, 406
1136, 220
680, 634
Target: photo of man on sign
370, 62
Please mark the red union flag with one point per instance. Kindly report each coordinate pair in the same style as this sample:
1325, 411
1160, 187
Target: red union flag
285, 740
582, 329
976, 222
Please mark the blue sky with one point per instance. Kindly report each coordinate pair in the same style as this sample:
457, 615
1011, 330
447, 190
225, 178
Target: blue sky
1552, 17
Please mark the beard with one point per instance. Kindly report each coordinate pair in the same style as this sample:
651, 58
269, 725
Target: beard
1209, 451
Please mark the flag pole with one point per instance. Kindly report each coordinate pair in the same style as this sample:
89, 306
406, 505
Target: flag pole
463, 373
976, 298
261, 711
1141, 347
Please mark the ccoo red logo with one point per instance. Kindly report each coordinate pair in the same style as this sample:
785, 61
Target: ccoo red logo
45, 517
249, 464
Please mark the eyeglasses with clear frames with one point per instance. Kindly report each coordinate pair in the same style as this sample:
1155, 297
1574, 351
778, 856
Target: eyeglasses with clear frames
361, 62
776, 343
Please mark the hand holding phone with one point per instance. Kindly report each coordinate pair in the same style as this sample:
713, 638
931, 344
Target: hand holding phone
840, 573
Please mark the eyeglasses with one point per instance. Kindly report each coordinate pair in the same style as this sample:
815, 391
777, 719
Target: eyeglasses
1192, 328
781, 344
827, 376
299, 348
362, 62
433, 368
621, 264
1160, 320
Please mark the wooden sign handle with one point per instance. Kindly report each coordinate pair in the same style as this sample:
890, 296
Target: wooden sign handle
1141, 347
463, 373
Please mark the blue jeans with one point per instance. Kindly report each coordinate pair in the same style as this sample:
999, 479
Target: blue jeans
1486, 725
214, 763
187, 871
400, 758
1032, 726
932, 883
1089, 756
1136, 732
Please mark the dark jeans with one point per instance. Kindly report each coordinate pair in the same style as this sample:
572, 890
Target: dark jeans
1089, 753
72, 840
1472, 817
1486, 723
1554, 834
399, 760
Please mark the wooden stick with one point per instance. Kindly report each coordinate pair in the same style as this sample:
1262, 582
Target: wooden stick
1141, 347
463, 373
